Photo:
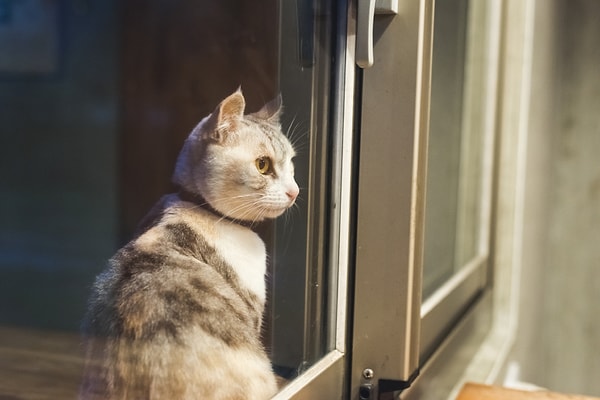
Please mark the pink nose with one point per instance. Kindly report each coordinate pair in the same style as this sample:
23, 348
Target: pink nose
292, 192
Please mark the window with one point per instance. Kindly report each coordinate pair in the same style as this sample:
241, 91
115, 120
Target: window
303, 313
392, 115
460, 162
421, 265
91, 145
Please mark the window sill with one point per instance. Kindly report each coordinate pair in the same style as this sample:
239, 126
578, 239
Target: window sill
472, 391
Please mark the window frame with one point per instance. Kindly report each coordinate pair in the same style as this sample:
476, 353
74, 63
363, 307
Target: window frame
390, 211
479, 346
444, 306
459, 311
327, 377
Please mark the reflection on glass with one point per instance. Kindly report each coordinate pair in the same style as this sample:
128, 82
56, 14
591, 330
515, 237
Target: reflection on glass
89, 143
455, 146
299, 275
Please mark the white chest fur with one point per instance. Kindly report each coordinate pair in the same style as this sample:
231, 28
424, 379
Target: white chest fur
245, 252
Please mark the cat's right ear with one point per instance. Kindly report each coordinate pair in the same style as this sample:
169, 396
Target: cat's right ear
271, 111
225, 118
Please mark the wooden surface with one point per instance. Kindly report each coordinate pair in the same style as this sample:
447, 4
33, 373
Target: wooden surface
42, 365
39, 365
473, 391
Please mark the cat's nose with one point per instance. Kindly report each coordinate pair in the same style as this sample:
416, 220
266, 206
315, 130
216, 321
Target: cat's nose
292, 192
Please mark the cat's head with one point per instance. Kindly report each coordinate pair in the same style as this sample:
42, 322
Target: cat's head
240, 164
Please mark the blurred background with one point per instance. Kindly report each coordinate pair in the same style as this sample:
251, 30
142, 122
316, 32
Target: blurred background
96, 98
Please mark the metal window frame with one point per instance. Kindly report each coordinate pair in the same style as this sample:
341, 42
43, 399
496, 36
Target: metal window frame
459, 317
391, 200
391, 330
441, 310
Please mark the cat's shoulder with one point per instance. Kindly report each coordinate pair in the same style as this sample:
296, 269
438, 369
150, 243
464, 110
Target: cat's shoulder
180, 219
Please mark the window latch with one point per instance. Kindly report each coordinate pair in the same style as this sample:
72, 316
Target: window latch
365, 14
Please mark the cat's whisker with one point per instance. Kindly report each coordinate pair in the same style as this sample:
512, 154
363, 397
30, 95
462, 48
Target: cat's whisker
300, 146
298, 132
296, 142
293, 128
292, 213
292, 134
226, 199
231, 200
289, 133
286, 218
243, 210
295, 208
238, 197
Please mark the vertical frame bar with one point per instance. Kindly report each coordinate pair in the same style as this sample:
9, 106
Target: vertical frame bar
391, 194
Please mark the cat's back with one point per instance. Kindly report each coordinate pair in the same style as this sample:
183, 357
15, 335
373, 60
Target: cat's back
188, 264
188, 291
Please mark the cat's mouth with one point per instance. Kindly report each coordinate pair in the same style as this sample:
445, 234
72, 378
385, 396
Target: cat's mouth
274, 211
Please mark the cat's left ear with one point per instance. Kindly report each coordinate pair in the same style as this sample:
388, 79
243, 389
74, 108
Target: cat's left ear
271, 111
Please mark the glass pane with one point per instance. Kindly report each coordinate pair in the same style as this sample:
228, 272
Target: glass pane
59, 199
300, 334
92, 126
455, 148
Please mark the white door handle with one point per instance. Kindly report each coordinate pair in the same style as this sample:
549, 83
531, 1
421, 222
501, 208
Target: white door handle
365, 15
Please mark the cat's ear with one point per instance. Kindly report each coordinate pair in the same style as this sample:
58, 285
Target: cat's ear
271, 111
226, 116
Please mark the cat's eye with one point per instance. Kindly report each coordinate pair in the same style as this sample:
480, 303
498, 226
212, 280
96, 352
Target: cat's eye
263, 165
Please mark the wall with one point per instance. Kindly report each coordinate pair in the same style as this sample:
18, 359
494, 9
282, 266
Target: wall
559, 326
571, 311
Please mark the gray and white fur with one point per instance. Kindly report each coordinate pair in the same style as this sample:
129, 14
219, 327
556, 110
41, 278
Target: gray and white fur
177, 314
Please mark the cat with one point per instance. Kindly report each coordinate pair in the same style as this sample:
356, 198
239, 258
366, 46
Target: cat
177, 314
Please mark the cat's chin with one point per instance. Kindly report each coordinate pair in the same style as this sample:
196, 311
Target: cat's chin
264, 214
275, 213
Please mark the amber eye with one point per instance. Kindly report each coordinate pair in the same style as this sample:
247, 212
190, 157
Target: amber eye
263, 165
